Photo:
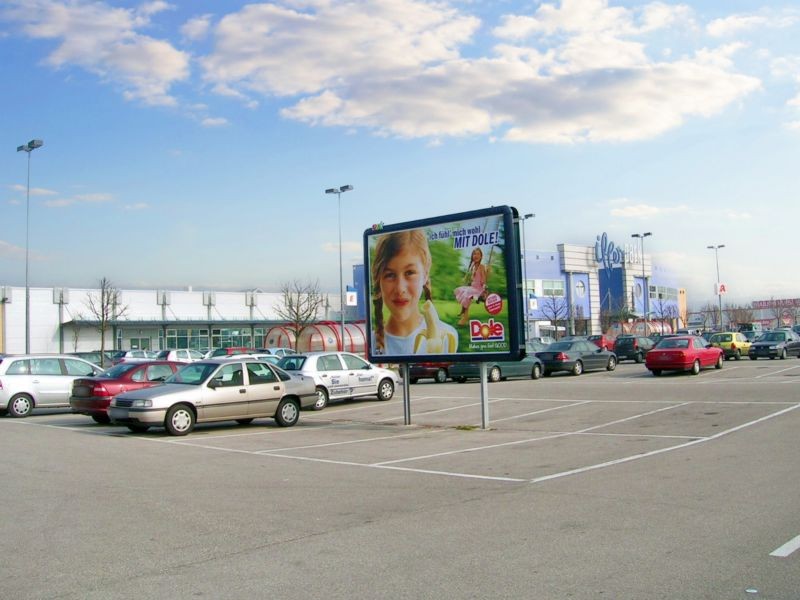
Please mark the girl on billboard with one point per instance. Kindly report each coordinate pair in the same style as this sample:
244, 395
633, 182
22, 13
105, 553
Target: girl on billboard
400, 276
476, 275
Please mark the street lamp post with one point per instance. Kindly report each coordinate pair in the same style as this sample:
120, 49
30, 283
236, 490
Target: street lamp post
338, 191
525, 275
28, 148
716, 257
645, 287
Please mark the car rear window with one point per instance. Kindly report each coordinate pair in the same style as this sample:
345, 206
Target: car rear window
292, 363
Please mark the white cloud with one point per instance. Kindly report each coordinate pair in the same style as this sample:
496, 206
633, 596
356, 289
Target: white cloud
736, 24
11, 251
94, 198
646, 211
739, 216
214, 122
137, 206
105, 41
35, 191
196, 28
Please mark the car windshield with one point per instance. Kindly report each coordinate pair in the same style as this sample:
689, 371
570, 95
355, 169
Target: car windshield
774, 336
559, 346
164, 354
292, 363
673, 343
193, 373
119, 370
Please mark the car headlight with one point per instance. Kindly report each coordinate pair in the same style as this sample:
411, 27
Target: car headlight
142, 404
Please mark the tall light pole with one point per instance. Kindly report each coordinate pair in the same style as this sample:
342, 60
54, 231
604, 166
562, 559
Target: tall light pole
525, 275
716, 256
29, 147
645, 287
338, 191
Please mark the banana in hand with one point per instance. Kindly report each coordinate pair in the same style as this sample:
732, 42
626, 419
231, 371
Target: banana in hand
437, 339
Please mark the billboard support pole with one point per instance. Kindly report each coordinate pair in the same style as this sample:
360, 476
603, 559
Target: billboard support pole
404, 371
484, 397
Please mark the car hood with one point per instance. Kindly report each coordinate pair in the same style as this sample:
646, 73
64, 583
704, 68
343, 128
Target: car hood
158, 391
766, 344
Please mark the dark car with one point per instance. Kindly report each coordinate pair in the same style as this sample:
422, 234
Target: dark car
530, 366
101, 359
438, 371
92, 395
576, 357
776, 344
632, 347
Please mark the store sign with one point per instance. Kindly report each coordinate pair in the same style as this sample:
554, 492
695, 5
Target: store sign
720, 289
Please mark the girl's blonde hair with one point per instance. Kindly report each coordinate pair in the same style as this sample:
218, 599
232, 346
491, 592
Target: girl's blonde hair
473, 265
388, 246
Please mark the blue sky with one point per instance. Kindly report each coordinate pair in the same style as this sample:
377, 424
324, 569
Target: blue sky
190, 144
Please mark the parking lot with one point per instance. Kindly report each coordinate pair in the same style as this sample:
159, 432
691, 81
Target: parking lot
611, 484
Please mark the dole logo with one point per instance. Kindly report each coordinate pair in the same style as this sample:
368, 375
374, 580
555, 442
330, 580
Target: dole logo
483, 332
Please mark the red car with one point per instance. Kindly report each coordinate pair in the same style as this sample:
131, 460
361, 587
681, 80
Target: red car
683, 353
92, 395
601, 341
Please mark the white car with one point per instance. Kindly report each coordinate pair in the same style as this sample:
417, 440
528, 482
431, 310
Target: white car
341, 375
185, 355
29, 381
227, 389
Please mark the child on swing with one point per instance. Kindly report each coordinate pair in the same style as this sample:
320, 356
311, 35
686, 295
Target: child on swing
476, 274
400, 276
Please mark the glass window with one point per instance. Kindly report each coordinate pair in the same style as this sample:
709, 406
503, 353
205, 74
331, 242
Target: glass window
230, 375
158, 372
19, 367
138, 375
47, 366
193, 374
329, 362
354, 362
553, 287
260, 373
77, 367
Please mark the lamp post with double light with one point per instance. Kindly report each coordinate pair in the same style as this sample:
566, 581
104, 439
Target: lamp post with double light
339, 191
525, 275
645, 287
28, 148
716, 248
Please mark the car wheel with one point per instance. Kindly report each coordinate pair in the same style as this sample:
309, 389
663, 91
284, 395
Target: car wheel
244, 421
719, 362
102, 419
578, 368
547, 373
20, 406
638, 358
441, 376
783, 354
494, 374
656, 372
138, 428
288, 412
695, 367
322, 398
536, 371
385, 390
612, 363
414, 380
753, 357
180, 420
737, 355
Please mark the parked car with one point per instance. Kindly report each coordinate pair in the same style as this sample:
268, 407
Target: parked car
775, 344
529, 366
632, 347
276, 351
752, 336
101, 359
133, 355
227, 351
576, 357
733, 344
92, 395
683, 353
544, 339
184, 355
29, 381
216, 390
342, 375
438, 371
602, 341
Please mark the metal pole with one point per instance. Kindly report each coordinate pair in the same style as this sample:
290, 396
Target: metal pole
484, 397
645, 288
341, 280
405, 371
525, 275
719, 296
27, 248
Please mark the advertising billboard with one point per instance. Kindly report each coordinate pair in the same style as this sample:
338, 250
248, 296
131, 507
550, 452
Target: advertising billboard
445, 288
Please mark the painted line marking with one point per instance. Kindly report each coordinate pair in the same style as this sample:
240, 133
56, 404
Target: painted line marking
787, 548
776, 372
538, 412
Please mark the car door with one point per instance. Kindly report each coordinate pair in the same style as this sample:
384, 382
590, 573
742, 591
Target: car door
708, 355
362, 377
334, 376
224, 396
51, 387
264, 390
590, 357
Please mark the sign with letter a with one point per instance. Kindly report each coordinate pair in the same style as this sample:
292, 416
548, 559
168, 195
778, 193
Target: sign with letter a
720, 289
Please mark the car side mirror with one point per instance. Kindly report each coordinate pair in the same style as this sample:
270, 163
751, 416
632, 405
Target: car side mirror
214, 384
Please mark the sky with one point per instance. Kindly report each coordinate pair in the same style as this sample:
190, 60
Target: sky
191, 143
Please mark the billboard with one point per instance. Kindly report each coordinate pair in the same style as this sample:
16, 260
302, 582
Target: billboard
445, 288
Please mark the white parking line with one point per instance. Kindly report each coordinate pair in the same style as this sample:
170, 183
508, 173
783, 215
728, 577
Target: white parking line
787, 548
360, 441
538, 412
776, 372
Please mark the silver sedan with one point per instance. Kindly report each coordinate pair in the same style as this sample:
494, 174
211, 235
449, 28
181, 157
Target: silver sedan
216, 390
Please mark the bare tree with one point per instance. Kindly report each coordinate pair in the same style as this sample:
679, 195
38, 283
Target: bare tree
105, 305
300, 305
666, 313
76, 331
555, 309
739, 314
